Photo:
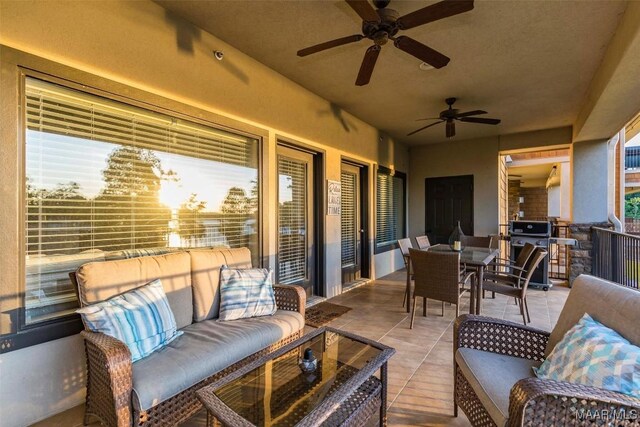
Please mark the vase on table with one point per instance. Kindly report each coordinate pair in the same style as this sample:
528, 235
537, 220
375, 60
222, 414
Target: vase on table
456, 239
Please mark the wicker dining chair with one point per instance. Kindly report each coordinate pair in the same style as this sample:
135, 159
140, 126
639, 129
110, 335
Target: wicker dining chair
423, 242
437, 276
515, 285
405, 245
476, 241
515, 267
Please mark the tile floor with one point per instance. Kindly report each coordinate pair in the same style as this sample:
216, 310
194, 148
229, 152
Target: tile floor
421, 372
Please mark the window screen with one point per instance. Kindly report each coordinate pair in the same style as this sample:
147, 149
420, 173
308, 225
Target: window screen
390, 208
106, 180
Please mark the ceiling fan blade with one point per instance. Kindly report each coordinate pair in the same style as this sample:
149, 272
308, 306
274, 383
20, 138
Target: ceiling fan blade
434, 12
471, 113
480, 120
420, 51
364, 9
330, 44
368, 62
451, 129
428, 118
423, 128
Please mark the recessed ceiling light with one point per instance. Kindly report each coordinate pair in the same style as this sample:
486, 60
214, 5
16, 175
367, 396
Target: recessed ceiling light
424, 66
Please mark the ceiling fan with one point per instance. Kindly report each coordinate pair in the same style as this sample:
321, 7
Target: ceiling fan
383, 24
451, 115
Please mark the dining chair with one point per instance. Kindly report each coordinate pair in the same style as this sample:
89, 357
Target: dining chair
515, 285
515, 267
437, 276
405, 245
476, 241
423, 242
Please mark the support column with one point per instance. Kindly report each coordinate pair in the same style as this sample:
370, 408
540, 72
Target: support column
590, 195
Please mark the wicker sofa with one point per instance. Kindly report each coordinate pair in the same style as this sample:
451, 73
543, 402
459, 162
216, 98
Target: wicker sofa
160, 389
494, 382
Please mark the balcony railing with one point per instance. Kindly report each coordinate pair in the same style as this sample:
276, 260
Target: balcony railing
632, 158
616, 257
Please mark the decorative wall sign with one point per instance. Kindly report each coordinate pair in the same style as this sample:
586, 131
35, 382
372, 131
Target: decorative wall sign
334, 196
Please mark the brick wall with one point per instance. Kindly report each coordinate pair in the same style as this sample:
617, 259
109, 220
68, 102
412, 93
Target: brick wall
514, 195
535, 203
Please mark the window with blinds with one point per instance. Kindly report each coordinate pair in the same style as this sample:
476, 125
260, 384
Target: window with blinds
390, 208
292, 221
107, 180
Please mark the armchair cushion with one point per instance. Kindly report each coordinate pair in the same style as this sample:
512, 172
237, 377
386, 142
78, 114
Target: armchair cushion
492, 376
594, 355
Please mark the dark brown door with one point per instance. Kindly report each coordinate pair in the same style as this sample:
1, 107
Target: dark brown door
447, 201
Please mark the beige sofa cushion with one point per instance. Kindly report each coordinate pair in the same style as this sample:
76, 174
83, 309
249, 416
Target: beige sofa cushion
611, 304
204, 349
98, 281
205, 276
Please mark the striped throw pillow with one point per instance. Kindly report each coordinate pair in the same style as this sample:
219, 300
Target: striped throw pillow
140, 318
246, 293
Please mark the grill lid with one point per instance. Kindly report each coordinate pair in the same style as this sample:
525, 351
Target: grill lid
530, 228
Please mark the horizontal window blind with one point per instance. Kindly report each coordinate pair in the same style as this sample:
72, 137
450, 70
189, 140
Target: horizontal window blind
107, 180
292, 221
390, 208
348, 219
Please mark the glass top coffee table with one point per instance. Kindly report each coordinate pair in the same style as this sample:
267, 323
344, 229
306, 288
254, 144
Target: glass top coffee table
274, 391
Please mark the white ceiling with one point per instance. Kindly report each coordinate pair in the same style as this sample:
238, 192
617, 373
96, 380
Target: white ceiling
528, 63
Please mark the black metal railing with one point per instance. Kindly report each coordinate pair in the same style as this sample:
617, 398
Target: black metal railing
616, 257
632, 158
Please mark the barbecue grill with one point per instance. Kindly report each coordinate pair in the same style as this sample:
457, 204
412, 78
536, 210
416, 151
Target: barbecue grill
537, 233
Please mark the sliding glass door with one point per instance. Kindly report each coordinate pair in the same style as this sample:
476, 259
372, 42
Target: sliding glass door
296, 257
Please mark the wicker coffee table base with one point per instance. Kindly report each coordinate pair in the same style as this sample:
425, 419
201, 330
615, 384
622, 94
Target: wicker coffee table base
356, 411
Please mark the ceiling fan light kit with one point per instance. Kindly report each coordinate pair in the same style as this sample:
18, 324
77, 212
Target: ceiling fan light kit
382, 25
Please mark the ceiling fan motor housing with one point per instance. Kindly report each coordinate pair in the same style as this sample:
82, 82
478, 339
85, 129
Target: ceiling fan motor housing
380, 32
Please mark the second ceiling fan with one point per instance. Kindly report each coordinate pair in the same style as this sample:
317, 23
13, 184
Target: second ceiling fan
383, 24
450, 116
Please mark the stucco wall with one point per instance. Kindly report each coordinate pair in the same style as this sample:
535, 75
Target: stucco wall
589, 165
478, 157
135, 43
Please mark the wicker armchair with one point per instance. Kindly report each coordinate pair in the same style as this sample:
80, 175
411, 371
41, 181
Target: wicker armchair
494, 383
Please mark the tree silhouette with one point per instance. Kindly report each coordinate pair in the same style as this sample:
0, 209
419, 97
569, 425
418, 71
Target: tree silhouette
236, 210
189, 224
128, 211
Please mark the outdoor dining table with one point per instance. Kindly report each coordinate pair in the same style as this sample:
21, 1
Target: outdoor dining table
478, 259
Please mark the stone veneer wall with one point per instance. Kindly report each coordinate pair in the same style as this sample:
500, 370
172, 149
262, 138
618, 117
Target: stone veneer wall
580, 255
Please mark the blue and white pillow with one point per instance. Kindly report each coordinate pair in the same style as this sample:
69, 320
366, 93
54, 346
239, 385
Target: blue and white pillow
246, 293
594, 355
140, 318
